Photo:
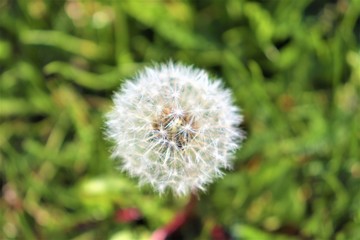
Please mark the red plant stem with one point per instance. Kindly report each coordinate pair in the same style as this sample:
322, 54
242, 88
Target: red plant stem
178, 221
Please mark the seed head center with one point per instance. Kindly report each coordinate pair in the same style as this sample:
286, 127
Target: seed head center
174, 126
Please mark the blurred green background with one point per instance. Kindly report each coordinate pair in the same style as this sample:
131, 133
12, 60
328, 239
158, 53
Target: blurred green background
294, 68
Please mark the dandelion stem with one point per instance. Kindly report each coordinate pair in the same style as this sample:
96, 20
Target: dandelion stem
178, 221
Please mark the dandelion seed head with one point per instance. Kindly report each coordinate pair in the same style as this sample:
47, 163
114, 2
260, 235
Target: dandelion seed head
174, 128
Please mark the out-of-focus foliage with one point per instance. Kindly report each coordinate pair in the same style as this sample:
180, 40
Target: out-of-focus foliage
294, 68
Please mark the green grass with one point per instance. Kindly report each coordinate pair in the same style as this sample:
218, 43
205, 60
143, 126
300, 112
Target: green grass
294, 68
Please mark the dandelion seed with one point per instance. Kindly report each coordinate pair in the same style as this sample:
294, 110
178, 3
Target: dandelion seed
174, 128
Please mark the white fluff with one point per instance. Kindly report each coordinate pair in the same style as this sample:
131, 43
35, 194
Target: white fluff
174, 128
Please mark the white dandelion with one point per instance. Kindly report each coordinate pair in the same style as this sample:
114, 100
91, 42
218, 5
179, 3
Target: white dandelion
174, 128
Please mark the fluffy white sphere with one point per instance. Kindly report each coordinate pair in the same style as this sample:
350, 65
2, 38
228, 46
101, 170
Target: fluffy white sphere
174, 128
